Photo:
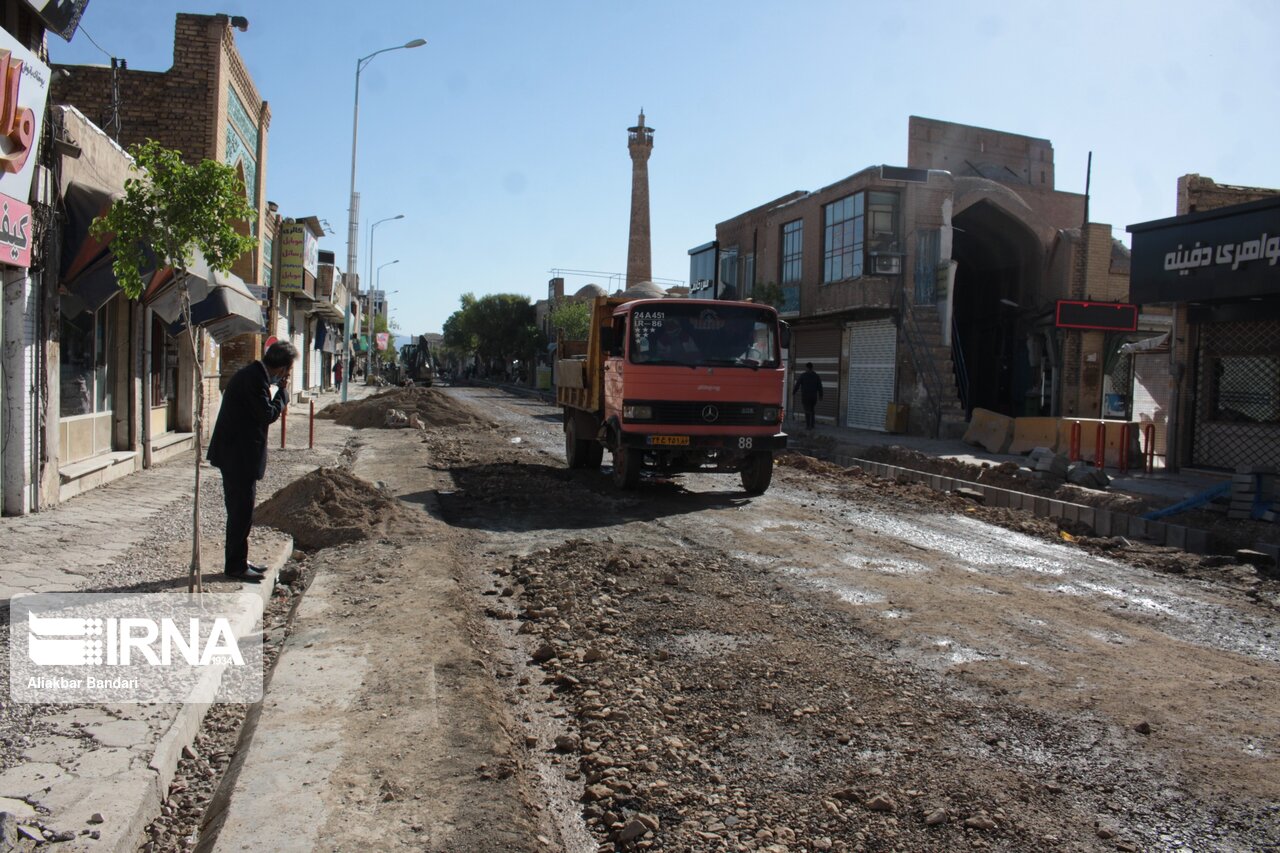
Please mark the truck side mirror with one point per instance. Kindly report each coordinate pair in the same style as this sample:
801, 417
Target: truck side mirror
784, 335
606, 339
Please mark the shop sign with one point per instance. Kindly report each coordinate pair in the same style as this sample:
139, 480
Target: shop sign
299, 254
383, 338
24, 88
1228, 253
15, 232
60, 16
1103, 316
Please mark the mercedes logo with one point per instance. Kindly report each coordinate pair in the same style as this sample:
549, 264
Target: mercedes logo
710, 414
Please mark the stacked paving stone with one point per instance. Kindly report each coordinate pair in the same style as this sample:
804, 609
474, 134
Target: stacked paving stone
1253, 487
1048, 465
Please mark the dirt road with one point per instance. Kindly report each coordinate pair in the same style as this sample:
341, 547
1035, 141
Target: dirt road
841, 664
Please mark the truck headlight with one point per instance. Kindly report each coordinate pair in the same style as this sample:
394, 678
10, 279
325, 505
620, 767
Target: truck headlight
631, 412
770, 414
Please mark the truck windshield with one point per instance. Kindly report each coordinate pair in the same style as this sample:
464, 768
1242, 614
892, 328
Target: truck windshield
695, 334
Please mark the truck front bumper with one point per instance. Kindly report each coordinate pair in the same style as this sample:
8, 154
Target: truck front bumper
662, 442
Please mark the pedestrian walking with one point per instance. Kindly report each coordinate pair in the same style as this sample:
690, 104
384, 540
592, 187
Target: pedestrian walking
255, 398
337, 374
809, 387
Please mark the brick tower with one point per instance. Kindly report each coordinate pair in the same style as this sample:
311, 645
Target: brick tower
640, 144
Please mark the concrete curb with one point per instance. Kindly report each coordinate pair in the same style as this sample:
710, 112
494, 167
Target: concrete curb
182, 731
140, 794
1103, 521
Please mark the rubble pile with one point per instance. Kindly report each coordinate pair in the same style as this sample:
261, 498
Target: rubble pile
430, 406
328, 507
733, 727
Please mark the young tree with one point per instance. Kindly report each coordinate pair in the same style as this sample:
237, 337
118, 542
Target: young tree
572, 319
175, 208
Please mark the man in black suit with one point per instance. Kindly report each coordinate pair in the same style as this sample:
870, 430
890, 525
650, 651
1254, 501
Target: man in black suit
254, 399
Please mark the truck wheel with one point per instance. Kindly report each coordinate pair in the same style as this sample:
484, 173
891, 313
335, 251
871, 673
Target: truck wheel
595, 455
579, 452
757, 473
627, 462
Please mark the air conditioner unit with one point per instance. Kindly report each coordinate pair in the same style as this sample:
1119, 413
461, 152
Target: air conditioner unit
888, 264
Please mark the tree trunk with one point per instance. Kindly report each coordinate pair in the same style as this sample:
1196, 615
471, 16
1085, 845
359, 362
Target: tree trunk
195, 579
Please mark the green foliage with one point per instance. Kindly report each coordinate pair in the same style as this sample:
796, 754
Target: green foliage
175, 207
573, 319
770, 294
497, 327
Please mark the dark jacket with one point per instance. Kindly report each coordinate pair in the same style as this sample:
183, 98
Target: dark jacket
809, 387
239, 442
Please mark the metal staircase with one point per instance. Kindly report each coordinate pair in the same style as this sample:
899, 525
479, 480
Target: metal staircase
922, 329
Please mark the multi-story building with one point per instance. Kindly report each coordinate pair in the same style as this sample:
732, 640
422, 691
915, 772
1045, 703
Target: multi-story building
100, 386
931, 288
205, 106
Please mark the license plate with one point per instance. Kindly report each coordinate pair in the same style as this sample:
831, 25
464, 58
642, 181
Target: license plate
679, 440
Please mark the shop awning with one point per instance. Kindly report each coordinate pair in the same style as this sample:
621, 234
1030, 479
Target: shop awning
221, 302
1160, 343
87, 276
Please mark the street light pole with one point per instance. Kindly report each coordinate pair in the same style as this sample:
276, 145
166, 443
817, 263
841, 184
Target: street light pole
373, 230
373, 314
353, 210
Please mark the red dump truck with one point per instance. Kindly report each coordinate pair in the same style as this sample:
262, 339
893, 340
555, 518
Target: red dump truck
673, 385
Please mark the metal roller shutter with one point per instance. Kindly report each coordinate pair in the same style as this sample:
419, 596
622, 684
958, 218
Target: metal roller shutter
873, 349
822, 348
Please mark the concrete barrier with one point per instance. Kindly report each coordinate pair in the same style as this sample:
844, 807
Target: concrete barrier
990, 430
1030, 433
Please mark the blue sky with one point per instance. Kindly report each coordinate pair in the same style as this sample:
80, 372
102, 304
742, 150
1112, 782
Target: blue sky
503, 141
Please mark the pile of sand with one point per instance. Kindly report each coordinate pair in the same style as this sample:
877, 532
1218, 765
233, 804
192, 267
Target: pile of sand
434, 408
328, 507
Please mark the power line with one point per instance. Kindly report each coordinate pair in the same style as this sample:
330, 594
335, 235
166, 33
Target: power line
94, 43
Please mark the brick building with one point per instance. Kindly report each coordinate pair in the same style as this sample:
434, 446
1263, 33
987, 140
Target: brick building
206, 106
931, 287
110, 384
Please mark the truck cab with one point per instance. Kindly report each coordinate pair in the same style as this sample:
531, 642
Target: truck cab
683, 385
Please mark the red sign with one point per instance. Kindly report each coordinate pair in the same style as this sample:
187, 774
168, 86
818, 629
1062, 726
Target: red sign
15, 232
1102, 316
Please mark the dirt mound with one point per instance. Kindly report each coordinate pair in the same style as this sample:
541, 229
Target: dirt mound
328, 507
434, 408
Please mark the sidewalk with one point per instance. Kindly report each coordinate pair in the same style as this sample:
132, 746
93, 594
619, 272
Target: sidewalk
93, 776
1158, 487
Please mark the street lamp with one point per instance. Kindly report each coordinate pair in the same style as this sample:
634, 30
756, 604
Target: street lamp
387, 264
373, 230
353, 210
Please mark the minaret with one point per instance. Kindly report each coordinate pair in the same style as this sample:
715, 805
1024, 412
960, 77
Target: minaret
639, 262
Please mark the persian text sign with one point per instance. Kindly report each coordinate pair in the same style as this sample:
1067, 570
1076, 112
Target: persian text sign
72, 648
24, 87
15, 232
299, 253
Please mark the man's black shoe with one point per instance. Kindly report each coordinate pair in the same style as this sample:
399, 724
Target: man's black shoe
255, 567
247, 576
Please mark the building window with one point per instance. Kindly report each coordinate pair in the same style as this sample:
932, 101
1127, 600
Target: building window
729, 273
164, 364
883, 242
84, 373
842, 238
792, 251
748, 275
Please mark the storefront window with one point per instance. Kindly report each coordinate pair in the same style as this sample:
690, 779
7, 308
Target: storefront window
87, 342
164, 364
